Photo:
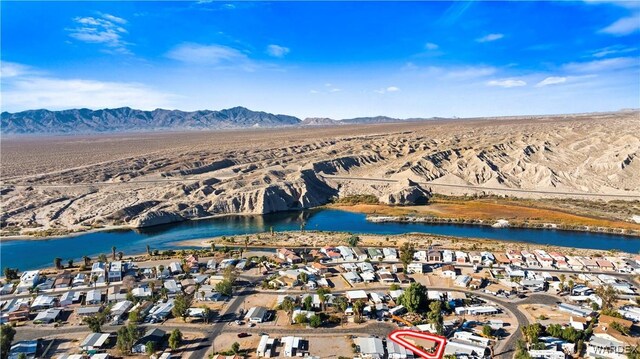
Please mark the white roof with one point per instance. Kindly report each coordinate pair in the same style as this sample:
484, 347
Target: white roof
43, 300
94, 295
370, 346
357, 294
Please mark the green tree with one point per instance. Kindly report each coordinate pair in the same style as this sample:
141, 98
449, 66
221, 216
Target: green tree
224, 287
532, 332
435, 316
287, 305
86, 260
134, 316
148, 250
102, 258
300, 318
308, 301
315, 321
608, 294
487, 331
235, 348
303, 277
175, 339
6, 337
206, 313
127, 337
353, 240
11, 273
95, 322
323, 295
414, 298
181, 305
521, 350
342, 304
150, 348
69, 263
57, 262
358, 307
113, 252
406, 254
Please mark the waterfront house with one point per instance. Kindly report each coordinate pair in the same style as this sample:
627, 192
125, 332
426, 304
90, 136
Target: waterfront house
390, 254
434, 256
115, 271
462, 257
360, 254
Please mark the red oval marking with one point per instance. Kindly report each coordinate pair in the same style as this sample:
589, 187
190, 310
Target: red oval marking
396, 335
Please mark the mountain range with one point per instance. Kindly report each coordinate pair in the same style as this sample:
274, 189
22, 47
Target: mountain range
131, 120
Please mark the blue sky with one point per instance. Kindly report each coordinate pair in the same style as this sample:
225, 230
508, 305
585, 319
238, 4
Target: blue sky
324, 59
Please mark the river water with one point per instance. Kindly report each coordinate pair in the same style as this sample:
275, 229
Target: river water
30, 254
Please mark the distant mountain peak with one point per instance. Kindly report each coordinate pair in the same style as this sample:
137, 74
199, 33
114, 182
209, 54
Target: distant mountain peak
124, 119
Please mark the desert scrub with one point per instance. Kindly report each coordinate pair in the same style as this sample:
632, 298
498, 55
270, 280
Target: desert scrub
357, 199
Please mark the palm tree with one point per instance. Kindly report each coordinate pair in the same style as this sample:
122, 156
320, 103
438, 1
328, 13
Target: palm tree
57, 262
70, 263
571, 285
120, 255
94, 280
87, 261
342, 304
357, 310
323, 295
148, 250
287, 305
113, 252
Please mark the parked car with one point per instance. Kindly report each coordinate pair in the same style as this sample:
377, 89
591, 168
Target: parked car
243, 335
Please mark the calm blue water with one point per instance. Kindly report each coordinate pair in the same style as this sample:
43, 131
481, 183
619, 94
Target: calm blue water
29, 254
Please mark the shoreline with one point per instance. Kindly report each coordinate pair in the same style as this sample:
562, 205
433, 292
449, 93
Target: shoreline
421, 240
206, 242
483, 223
123, 227
368, 217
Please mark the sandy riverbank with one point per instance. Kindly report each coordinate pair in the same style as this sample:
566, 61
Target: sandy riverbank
316, 239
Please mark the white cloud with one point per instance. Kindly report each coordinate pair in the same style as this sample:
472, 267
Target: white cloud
490, 37
470, 72
12, 69
507, 83
277, 50
552, 80
114, 18
27, 91
624, 26
335, 90
388, 89
106, 30
611, 64
212, 55
612, 50
431, 46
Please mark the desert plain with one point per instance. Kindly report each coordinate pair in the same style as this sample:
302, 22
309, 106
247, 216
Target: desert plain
576, 168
